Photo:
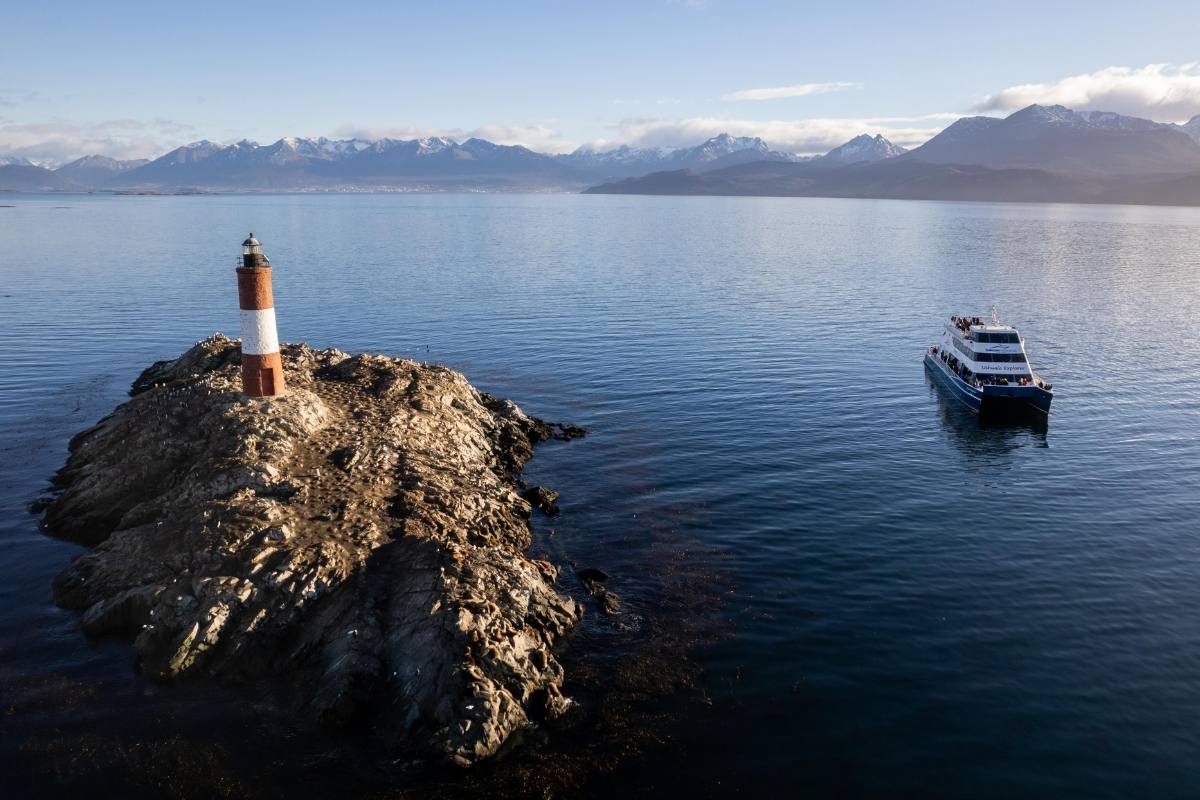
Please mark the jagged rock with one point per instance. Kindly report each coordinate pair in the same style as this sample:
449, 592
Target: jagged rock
591, 575
543, 499
608, 601
207, 355
566, 433
361, 536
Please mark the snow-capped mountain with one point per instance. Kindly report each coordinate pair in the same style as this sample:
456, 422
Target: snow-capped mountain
1063, 116
97, 170
863, 147
1060, 140
443, 162
190, 153
15, 161
723, 145
624, 156
319, 148
411, 147
720, 151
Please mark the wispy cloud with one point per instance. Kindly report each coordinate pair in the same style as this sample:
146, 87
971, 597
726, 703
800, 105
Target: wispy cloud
805, 136
1164, 92
11, 98
795, 90
59, 141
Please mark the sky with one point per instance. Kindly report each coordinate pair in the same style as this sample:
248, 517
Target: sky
135, 79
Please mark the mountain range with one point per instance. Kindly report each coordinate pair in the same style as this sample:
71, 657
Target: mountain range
1048, 153
431, 163
1040, 153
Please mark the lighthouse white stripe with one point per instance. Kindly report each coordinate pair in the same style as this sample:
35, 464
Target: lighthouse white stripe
258, 332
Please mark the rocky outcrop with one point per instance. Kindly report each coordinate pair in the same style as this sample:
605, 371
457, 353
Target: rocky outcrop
543, 499
362, 537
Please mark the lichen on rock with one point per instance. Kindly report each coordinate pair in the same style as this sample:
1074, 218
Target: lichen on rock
362, 536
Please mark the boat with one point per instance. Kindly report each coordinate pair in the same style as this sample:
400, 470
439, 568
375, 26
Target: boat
985, 366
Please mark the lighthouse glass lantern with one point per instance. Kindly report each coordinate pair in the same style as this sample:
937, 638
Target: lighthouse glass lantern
252, 254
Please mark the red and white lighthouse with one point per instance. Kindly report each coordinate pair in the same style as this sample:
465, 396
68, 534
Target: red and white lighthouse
262, 370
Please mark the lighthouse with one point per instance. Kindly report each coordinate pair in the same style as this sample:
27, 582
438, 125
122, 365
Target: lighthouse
262, 371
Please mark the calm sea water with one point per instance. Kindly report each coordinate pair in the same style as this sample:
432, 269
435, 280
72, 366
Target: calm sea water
881, 598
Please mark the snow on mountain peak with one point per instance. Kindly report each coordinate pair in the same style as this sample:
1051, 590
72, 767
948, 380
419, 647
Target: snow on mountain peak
434, 144
724, 144
863, 147
1063, 116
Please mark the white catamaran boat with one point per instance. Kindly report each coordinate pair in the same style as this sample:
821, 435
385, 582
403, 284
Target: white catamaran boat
985, 366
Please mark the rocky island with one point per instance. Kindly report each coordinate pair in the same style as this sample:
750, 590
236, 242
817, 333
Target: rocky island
361, 538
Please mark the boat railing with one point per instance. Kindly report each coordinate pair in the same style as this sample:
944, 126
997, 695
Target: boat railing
1041, 382
942, 358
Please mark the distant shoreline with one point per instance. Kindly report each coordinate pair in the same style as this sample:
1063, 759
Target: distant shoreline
603, 190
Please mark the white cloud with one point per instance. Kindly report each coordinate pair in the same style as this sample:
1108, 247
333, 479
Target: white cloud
56, 142
796, 90
1162, 92
804, 136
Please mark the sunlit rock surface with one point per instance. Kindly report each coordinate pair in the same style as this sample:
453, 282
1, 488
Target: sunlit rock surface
361, 537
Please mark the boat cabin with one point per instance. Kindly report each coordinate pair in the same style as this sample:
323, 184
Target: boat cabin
983, 353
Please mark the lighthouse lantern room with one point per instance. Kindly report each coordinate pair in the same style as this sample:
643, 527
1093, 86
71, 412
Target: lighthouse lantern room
252, 254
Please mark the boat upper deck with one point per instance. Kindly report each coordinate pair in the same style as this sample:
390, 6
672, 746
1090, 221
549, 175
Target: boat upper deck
975, 329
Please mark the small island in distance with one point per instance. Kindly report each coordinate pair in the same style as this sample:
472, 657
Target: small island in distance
1038, 154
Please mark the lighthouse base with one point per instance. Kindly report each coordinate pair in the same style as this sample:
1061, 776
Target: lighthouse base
262, 375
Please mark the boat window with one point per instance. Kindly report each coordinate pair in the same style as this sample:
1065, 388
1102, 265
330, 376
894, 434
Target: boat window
997, 338
1007, 357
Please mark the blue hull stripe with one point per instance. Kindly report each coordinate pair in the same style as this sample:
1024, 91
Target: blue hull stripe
998, 398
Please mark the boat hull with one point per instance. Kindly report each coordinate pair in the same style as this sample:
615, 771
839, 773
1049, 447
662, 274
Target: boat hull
990, 400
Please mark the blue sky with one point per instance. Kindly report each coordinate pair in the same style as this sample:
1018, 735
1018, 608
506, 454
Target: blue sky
129, 79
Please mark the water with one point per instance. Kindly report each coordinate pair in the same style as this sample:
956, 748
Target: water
853, 589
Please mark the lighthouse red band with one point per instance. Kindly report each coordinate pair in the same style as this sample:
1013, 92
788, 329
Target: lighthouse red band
262, 370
